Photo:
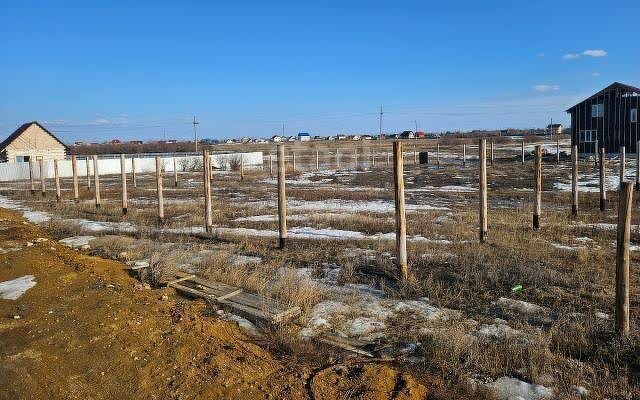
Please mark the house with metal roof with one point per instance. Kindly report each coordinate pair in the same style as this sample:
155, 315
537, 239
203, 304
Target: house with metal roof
608, 119
32, 141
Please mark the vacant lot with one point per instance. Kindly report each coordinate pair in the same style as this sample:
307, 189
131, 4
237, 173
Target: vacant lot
528, 312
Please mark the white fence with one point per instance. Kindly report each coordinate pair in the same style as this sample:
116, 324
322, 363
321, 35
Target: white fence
111, 165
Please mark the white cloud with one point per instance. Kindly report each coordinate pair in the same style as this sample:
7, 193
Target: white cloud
586, 53
101, 121
594, 53
546, 88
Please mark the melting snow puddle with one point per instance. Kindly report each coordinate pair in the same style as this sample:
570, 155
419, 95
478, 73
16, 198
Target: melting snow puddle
13, 289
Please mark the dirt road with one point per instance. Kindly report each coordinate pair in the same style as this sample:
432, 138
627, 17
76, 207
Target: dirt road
88, 330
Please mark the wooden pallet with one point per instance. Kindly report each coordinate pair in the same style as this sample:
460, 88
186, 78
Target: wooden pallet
250, 304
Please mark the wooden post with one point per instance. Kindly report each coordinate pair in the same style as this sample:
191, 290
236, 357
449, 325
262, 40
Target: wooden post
242, 166
74, 169
32, 184
483, 190
538, 188
603, 189
270, 164
42, 178
622, 258
522, 151
401, 223
373, 157
57, 179
96, 180
133, 171
175, 172
355, 157
388, 158
206, 178
557, 151
595, 154
159, 189
492, 152
317, 161
88, 166
464, 155
574, 180
438, 155
415, 155
282, 201
123, 179
623, 162
337, 158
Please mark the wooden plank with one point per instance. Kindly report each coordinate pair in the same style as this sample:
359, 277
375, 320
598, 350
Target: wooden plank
184, 278
189, 290
229, 295
135, 268
290, 313
343, 344
253, 304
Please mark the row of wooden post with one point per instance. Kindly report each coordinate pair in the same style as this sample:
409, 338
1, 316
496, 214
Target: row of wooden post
624, 206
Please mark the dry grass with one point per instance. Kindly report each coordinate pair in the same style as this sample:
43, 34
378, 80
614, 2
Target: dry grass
571, 347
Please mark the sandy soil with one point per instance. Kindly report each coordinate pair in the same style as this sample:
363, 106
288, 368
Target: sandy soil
89, 330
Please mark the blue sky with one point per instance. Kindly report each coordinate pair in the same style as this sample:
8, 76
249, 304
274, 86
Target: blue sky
140, 70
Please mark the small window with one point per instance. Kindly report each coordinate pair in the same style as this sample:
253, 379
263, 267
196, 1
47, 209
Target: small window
22, 158
588, 136
634, 115
597, 110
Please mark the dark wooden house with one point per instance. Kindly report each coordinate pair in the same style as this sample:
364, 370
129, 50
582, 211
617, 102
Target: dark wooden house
608, 118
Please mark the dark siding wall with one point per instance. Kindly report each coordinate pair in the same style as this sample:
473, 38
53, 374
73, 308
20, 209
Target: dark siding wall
615, 129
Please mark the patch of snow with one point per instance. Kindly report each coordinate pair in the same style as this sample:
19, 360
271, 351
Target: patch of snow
352, 206
366, 319
519, 306
448, 188
13, 289
499, 331
565, 247
580, 391
241, 259
76, 241
507, 388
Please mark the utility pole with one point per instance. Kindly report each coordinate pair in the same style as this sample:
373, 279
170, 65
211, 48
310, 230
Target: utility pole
195, 135
283, 130
380, 134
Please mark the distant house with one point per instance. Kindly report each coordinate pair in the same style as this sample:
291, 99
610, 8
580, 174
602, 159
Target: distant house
367, 137
32, 141
341, 137
554, 129
407, 135
135, 142
276, 139
609, 117
319, 138
355, 137
304, 136
420, 135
